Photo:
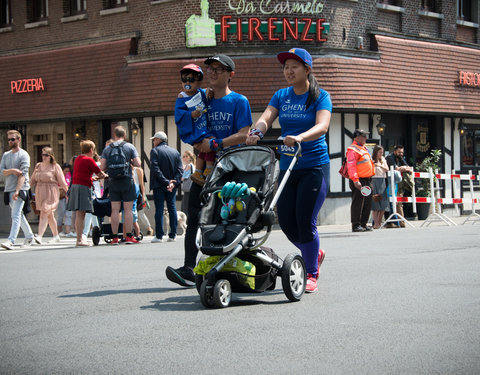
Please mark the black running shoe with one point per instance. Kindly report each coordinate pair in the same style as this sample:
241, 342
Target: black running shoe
183, 276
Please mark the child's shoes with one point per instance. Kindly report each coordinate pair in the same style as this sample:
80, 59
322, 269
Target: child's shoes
207, 172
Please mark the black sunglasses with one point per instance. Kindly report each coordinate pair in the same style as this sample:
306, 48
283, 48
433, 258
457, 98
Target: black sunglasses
190, 79
45, 155
12, 139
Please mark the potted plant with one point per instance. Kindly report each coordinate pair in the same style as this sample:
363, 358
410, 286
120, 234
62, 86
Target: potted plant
424, 190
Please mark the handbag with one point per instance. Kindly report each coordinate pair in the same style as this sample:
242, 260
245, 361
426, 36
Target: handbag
344, 170
377, 197
140, 203
187, 184
33, 205
63, 194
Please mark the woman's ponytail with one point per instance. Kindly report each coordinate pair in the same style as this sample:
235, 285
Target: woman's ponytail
314, 89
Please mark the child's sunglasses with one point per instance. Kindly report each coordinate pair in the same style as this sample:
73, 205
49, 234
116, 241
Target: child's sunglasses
190, 79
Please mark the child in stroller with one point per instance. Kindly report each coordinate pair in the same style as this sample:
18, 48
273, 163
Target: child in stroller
235, 221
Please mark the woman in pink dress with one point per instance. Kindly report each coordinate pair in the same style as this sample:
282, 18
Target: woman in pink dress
49, 179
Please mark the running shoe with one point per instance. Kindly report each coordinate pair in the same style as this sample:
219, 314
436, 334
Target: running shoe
130, 240
311, 284
321, 257
183, 276
115, 241
7, 245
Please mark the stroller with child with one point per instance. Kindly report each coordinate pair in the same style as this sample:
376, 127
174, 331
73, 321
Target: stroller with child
235, 221
102, 208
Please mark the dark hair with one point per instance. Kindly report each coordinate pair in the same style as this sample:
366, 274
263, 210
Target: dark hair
396, 147
314, 89
375, 151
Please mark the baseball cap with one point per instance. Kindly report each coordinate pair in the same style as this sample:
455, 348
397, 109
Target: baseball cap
192, 67
160, 135
299, 54
360, 132
222, 59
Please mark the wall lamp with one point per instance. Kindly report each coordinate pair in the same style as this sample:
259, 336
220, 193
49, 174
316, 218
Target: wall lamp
462, 127
380, 126
135, 127
80, 133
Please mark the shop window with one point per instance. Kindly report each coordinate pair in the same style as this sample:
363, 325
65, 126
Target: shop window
429, 5
109, 4
470, 144
74, 7
467, 10
37, 10
5, 13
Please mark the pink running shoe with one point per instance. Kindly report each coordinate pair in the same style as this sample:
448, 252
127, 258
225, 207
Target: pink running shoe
311, 284
321, 257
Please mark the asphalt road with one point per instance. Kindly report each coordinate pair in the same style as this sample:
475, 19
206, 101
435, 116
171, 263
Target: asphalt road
394, 301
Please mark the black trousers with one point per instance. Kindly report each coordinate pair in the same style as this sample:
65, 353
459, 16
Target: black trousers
193, 212
361, 205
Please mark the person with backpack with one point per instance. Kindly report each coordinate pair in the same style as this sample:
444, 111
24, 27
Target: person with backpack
116, 160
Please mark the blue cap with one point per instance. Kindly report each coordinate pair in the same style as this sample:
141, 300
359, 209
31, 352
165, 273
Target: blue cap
299, 54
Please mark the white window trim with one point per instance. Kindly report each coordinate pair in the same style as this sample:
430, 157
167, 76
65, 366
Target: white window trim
33, 25
156, 2
77, 17
6, 29
426, 13
390, 8
107, 12
468, 24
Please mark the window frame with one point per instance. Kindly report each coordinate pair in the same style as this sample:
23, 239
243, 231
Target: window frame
472, 11
74, 7
112, 4
5, 13
472, 132
38, 11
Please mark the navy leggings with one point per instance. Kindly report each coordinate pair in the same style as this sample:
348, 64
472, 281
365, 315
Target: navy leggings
298, 207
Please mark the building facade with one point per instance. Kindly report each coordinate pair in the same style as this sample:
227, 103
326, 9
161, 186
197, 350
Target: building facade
69, 68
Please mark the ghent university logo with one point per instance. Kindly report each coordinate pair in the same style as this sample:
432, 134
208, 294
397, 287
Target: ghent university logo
200, 30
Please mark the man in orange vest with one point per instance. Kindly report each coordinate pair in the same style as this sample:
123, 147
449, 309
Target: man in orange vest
360, 171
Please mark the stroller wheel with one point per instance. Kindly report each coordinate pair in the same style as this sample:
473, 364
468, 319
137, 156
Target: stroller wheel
198, 282
206, 294
294, 277
96, 235
222, 293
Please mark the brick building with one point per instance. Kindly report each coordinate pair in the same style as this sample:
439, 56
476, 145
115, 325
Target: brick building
68, 68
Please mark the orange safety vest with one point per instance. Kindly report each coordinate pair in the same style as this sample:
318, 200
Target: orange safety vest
365, 165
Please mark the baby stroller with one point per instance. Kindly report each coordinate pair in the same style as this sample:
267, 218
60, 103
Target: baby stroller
102, 208
233, 226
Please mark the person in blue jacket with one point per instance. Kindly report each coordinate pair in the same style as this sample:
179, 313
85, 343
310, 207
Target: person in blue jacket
191, 118
304, 111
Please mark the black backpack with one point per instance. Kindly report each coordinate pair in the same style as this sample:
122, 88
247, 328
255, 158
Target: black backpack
117, 164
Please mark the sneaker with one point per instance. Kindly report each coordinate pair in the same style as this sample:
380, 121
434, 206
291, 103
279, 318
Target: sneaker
358, 228
28, 242
115, 241
368, 228
170, 239
130, 240
183, 276
37, 239
7, 245
321, 257
198, 178
311, 284
71, 234
62, 234
55, 239
156, 239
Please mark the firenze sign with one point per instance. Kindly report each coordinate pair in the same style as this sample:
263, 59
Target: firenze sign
23, 86
469, 79
282, 20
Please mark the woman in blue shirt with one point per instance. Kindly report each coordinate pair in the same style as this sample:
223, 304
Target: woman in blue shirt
304, 112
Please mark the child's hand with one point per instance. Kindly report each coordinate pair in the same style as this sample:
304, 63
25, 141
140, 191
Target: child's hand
196, 113
209, 93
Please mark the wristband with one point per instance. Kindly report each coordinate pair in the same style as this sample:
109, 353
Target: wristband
256, 132
216, 144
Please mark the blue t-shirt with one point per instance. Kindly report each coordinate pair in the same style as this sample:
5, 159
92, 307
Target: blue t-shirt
227, 115
295, 119
192, 130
